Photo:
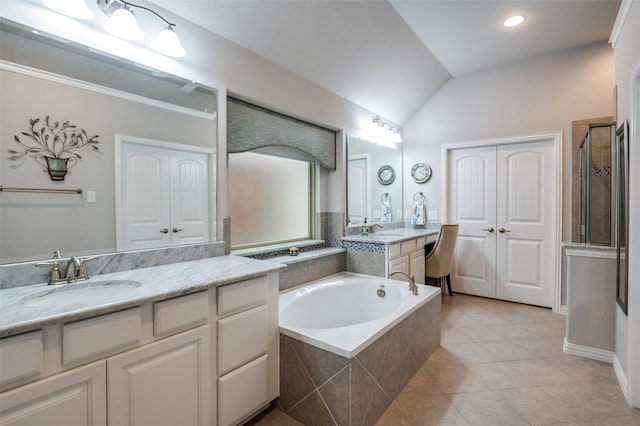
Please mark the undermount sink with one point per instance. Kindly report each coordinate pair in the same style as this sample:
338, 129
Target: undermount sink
78, 292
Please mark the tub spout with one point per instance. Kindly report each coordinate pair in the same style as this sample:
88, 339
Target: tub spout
413, 288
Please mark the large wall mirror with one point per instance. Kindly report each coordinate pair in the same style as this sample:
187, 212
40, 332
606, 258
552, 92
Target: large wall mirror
374, 182
119, 102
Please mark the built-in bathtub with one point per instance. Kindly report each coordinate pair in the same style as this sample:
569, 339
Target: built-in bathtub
346, 351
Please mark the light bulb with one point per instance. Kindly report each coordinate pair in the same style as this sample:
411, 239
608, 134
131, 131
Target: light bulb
73, 8
513, 21
168, 43
124, 25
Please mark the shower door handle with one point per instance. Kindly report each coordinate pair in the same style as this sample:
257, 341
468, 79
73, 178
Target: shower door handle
488, 229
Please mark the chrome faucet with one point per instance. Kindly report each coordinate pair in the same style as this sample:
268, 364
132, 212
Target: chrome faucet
372, 227
413, 288
75, 270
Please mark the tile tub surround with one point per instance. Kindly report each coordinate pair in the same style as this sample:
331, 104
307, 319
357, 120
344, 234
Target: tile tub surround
310, 266
318, 387
26, 273
156, 283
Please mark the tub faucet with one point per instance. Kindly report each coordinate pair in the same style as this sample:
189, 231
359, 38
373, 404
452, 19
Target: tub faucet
413, 288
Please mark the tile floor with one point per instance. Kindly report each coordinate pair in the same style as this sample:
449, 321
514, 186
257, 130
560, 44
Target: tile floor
501, 363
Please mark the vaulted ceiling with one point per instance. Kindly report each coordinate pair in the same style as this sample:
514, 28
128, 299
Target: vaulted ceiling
390, 57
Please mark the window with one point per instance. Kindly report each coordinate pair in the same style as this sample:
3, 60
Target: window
270, 199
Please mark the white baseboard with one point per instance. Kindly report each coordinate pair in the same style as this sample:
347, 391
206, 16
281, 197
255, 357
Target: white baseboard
622, 378
563, 310
588, 352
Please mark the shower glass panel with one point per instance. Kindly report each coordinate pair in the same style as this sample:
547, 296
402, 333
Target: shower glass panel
597, 184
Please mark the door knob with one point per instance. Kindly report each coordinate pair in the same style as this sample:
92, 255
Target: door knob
502, 230
164, 231
177, 229
488, 229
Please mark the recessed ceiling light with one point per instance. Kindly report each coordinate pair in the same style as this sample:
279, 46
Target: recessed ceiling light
513, 21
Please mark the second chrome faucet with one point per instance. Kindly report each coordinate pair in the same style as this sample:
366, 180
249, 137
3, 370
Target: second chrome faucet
413, 288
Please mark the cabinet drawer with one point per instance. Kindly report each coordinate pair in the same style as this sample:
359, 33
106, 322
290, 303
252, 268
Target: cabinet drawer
407, 246
98, 337
242, 391
242, 337
394, 250
242, 295
20, 359
420, 242
181, 313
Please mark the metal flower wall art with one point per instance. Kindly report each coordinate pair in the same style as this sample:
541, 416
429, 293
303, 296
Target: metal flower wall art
54, 145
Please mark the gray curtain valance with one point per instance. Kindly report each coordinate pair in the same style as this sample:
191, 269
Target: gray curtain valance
252, 127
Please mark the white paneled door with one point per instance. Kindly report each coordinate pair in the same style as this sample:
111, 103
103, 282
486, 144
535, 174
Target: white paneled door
164, 197
358, 191
503, 197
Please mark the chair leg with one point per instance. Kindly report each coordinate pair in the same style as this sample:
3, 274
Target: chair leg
449, 285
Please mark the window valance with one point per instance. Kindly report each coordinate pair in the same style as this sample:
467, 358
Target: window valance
252, 127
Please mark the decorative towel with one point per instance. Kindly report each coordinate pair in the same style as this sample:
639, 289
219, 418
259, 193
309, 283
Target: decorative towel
386, 208
419, 215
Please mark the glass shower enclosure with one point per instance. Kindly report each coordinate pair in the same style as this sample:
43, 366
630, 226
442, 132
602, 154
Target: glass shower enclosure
597, 177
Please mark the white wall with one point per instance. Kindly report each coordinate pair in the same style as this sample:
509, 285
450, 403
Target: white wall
627, 66
540, 95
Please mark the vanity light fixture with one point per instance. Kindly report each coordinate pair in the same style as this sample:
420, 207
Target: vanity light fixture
122, 23
513, 21
385, 131
74, 8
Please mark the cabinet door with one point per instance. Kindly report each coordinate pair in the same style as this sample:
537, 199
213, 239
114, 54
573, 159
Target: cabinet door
400, 264
73, 398
416, 266
164, 383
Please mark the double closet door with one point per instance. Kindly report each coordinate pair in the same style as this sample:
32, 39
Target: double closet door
504, 200
164, 197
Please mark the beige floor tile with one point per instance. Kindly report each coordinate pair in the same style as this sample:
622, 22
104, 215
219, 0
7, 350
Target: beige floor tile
543, 347
455, 379
430, 410
423, 383
470, 353
538, 371
453, 335
592, 400
509, 350
486, 408
393, 416
498, 375
536, 406
442, 357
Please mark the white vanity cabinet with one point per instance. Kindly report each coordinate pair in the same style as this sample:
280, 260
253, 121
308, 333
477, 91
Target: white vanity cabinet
247, 348
408, 257
75, 398
201, 359
164, 383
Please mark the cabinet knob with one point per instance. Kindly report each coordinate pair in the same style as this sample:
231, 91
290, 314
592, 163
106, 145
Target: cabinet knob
177, 229
164, 231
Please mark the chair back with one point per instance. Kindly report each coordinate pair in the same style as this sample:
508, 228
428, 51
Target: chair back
438, 263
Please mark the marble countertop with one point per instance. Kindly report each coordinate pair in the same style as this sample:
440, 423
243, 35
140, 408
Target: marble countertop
391, 236
19, 313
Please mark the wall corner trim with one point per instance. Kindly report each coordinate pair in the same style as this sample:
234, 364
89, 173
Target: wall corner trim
623, 12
